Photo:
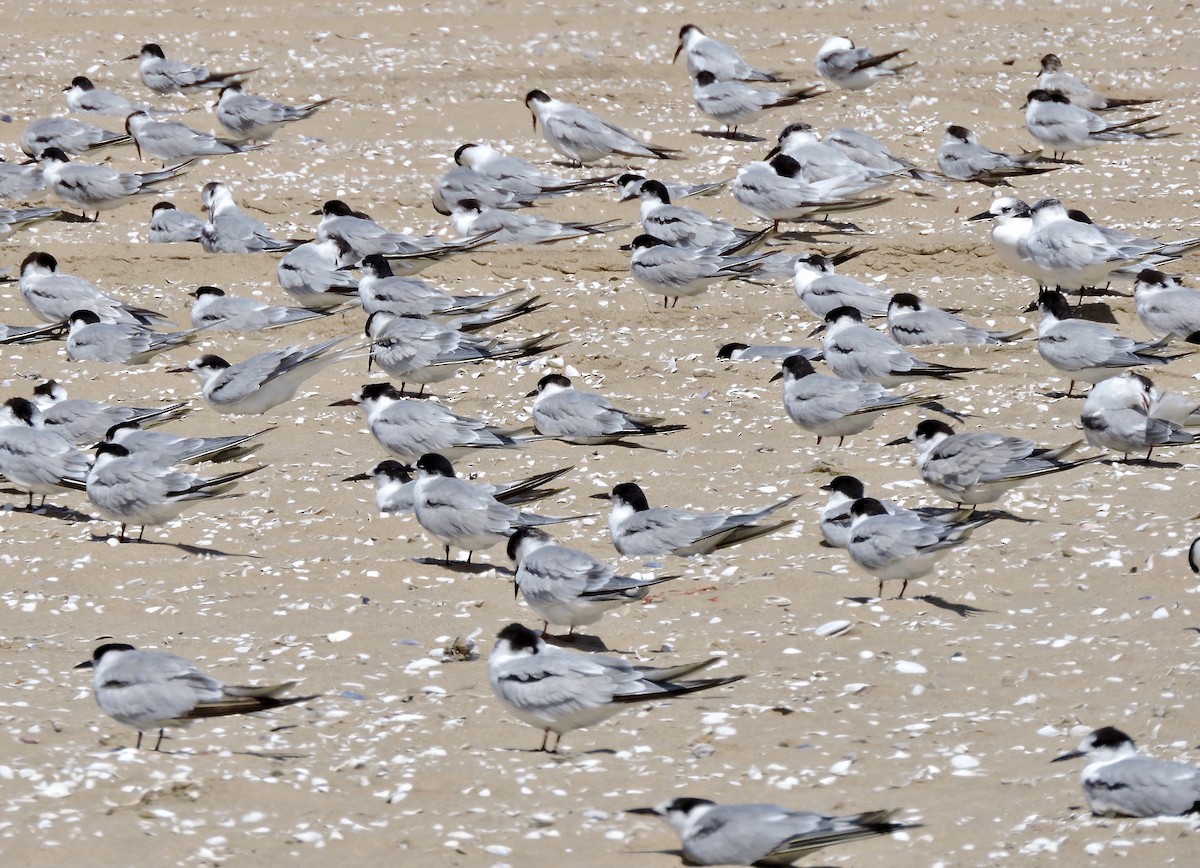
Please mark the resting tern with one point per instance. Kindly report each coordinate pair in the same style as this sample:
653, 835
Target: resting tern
36, 459
255, 118
852, 68
90, 339
231, 230
913, 323
172, 76
704, 54
172, 140
220, 312
734, 103
84, 422
1119, 415
69, 135
854, 351
83, 97
822, 290
169, 225
1053, 120
99, 188
562, 412
582, 137
53, 296
1052, 78
961, 157
395, 487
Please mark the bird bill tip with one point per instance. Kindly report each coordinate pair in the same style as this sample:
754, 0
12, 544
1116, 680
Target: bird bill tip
86, 664
1075, 754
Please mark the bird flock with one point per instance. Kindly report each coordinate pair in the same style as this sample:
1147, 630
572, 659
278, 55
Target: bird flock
348, 273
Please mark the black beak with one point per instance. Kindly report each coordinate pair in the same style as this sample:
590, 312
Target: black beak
531, 393
641, 811
898, 441
604, 495
86, 664
985, 215
358, 477
778, 376
1075, 754
345, 402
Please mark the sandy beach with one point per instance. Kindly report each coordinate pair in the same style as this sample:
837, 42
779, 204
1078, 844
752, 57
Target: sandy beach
947, 704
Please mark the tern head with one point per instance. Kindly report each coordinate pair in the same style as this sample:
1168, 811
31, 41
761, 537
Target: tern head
866, 507
207, 292
535, 100
927, 434
460, 153
335, 208
630, 185
1003, 208
1051, 63
550, 383
959, 133
517, 639
525, 540
849, 487
385, 471
80, 81
114, 648
785, 166
119, 432
814, 262
687, 33
162, 206
626, 495
704, 78
835, 43
1103, 745
682, 813
20, 412
1046, 96
904, 301
1053, 303
107, 451
645, 242
794, 367
1153, 278
206, 367
83, 317
727, 351
49, 393
843, 313
54, 155
234, 89
432, 464
371, 394
150, 49
38, 263
375, 266
655, 191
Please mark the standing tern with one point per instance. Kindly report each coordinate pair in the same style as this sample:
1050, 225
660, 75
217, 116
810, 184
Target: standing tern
734, 103
173, 76
903, 546
99, 188
974, 468
409, 428
83, 97
854, 351
129, 489
834, 406
1088, 351
36, 459
560, 691
1052, 78
702, 53
1011, 223
172, 140
822, 290
684, 227
261, 382
1119, 783
395, 487
851, 68
463, 514
169, 225
255, 118
1119, 415
761, 834
582, 137
562, 412
1053, 120
148, 690
1069, 254
844, 491
684, 272
639, 530
568, 587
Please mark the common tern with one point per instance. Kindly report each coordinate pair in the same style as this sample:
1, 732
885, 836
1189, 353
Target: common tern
561, 691
903, 546
777, 192
363, 236
128, 489
961, 157
169, 225
69, 135
20, 182
148, 690
231, 230
172, 140
567, 587
1052, 78
1119, 783
630, 185
159, 447
471, 218
162, 75
463, 514
216, 310
1166, 308
517, 176
255, 118
702, 53
1087, 351
821, 161
851, 68
582, 137
562, 412
84, 422
684, 227
734, 103
822, 290
1069, 254
53, 295
683, 272
978, 467
36, 459
99, 188
1118, 415
1056, 122
90, 339
913, 323
836, 516
315, 273
264, 381
409, 428
637, 529
873, 154
395, 487
379, 289
834, 406
741, 352
83, 97
854, 351
761, 834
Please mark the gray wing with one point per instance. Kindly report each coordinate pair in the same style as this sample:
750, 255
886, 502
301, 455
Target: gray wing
661, 530
582, 131
580, 414
1144, 787
1074, 345
553, 573
1175, 313
817, 399
151, 687
39, 456
963, 460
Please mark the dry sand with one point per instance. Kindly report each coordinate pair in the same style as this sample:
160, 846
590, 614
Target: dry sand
1026, 638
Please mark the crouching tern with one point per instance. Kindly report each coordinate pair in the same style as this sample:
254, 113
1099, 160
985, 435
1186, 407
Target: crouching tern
148, 690
560, 691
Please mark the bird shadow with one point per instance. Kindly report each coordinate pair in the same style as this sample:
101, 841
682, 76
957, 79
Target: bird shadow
463, 567
963, 610
278, 757
729, 136
578, 642
49, 510
1143, 462
183, 547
